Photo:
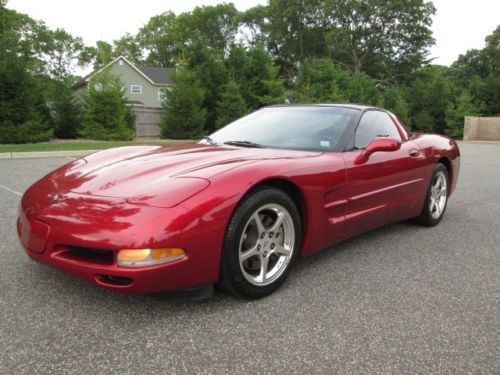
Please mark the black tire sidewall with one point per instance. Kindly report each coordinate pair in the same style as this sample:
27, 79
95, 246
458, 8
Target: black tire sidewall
425, 217
232, 278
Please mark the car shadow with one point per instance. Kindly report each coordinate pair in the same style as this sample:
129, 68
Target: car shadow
57, 287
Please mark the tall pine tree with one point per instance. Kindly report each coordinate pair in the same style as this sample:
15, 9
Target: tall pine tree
183, 116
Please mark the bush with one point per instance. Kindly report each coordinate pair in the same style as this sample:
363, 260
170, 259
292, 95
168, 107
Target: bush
66, 115
106, 115
28, 132
455, 115
231, 105
183, 116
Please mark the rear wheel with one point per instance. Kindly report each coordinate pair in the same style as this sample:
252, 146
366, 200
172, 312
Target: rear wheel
262, 240
436, 198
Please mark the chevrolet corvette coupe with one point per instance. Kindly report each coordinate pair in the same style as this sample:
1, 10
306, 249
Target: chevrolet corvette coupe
238, 208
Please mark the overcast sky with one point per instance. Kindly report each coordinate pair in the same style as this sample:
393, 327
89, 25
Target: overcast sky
458, 25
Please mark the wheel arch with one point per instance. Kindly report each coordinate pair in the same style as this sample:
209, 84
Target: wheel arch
447, 163
288, 187
292, 190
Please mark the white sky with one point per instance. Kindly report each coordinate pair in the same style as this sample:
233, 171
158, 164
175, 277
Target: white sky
458, 25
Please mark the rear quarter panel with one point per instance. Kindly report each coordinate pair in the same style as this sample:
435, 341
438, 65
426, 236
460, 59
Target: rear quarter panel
439, 147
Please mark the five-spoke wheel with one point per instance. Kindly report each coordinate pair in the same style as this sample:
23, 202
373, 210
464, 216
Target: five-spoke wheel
437, 197
262, 240
266, 244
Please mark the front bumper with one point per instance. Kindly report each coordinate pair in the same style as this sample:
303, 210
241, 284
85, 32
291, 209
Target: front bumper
82, 236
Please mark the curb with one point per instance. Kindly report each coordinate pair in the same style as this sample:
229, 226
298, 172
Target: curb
45, 154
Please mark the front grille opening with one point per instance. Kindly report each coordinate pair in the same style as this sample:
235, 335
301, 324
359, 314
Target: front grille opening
87, 255
115, 280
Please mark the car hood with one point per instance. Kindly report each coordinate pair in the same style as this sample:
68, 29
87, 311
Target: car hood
159, 176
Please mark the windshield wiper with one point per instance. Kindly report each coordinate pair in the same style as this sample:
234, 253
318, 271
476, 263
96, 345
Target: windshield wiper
210, 140
243, 144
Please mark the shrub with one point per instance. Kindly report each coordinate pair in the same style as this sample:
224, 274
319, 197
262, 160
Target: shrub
105, 111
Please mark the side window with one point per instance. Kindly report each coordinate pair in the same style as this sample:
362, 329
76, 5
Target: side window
374, 124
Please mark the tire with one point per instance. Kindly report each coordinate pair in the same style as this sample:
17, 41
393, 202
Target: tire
436, 198
262, 241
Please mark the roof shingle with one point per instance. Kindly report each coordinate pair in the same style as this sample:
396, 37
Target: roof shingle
160, 76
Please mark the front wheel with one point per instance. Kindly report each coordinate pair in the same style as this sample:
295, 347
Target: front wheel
436, 198
262, 240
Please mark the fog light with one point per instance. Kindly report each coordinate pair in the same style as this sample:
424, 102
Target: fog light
148, 257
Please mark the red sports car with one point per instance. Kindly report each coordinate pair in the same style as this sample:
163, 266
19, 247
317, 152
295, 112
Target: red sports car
238, 208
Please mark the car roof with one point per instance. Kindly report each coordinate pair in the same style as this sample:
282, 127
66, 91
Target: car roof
359, 107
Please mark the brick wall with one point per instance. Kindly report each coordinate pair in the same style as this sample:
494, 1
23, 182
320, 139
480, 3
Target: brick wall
481, 128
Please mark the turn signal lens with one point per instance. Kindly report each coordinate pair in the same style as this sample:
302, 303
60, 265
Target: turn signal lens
148, 257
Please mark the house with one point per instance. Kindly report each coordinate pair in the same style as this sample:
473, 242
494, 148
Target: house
144, 88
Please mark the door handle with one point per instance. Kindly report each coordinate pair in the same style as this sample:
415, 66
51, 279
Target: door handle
413, 153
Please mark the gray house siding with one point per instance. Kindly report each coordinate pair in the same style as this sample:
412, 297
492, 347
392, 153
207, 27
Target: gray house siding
146, 104
129, 76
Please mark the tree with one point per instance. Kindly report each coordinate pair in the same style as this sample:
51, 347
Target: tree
319, 81
385, 39
105, 110
165, 37
293, 30
230, 105
361, 88
395, 99
23, 114
478, 72
212, 74
254, 71
98, 56
456, 112
184, 115
431, 91
128, 47
66, 113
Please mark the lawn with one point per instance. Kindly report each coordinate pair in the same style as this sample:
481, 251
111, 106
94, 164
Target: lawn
81, 144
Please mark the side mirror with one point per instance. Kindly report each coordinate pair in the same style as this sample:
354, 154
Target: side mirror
378, 144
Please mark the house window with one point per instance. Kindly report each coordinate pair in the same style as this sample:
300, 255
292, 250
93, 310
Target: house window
136, 89
98, 86
161, 94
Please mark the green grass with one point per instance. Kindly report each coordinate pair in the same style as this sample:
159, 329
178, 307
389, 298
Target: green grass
80, 144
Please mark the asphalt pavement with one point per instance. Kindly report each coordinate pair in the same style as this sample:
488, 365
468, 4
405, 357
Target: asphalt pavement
400, 299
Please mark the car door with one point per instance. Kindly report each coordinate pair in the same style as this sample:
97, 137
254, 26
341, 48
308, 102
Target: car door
382, 188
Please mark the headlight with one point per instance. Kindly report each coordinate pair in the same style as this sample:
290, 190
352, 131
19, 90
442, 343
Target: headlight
148, 257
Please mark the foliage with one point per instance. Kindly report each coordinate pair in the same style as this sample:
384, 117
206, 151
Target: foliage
166, 36
212, 74
184, 116
293, 30
385, 39
478, 72
43, 51
322, 81
431, 92
370, 52
254, 71
319, 81
66, 114
127, 47
361, 88
23, 114
230, 105
395, 99
105, 110
99, 56
456, 112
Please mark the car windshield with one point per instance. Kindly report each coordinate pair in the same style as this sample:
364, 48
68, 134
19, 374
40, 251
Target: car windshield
294, 127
